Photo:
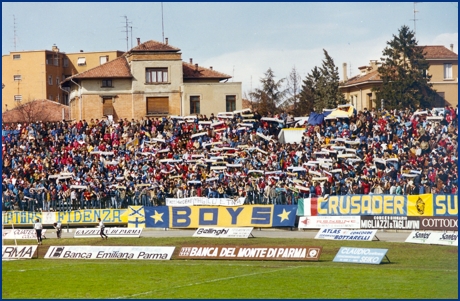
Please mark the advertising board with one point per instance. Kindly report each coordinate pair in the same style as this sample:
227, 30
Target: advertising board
111, 232
433, 238
250, 253
109, 252
21, 233
223, 232
390, 222
440, 223
18, 252
318, 222
341, 234
360, 255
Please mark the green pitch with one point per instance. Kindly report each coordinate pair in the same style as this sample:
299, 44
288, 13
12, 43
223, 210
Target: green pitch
415, 272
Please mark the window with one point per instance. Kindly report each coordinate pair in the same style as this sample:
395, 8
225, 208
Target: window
17, 77
56, 61
66, 62
81, 61
194, 105
17, 97
157, 106
156, 75
50, 97
50, 80
107, 83
107, 107
16, 56
230, 103
57, 80
103, 59
448, 71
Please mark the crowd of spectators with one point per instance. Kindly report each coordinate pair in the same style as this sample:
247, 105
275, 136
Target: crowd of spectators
59, 166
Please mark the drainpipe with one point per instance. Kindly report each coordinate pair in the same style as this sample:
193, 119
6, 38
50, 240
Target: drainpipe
81, 100
70, 114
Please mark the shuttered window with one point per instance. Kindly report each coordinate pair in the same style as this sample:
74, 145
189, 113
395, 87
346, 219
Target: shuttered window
107, 108
157, 105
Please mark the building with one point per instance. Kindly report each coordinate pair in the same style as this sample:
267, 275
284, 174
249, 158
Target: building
151, 80
36, 74
443, 69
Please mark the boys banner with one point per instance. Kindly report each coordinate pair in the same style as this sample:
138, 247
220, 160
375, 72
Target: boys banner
263, 216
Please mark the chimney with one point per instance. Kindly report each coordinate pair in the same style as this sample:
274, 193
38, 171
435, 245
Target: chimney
210, 67
452, 47
81, 50
55, 48
196, 67
345, 78
138, 41
373, 65
191, 61
166, 41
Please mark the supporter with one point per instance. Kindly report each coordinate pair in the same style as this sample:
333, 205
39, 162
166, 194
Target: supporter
159, 158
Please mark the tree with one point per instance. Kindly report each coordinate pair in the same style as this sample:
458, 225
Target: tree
403, 70
321, 87
270, 96
293, 92
33, 111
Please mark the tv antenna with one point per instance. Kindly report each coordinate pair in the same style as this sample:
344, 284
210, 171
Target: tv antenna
126, 31
15, 38
415, 19
162, 24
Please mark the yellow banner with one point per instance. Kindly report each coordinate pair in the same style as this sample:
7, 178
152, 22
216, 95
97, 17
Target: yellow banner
89, 216
220, 216
420, 205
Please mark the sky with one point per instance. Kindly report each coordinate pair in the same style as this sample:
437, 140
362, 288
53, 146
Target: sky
241, 39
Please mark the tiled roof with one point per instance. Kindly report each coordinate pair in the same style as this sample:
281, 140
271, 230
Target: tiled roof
154, 46
438, 52
371, 76
117, 68
190, 71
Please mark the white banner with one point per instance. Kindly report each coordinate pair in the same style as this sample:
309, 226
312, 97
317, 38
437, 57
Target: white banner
340, 234
21, 233
318, 222
223, 232
111, 232
433, 238
21, 252
202, 201
109, 252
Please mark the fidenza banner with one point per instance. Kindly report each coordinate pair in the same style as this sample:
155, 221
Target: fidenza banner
21, 233
380, 204
111, 232
109, 252
89, 216
223, 232
341, 234
250, 253
318, 222
213, 216
390, 222
439, 223
18, 252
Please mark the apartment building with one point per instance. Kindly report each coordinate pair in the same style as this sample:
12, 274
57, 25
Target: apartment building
36, 74
151, 80
443, 69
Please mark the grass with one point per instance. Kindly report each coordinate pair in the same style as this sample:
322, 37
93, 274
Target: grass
416, 271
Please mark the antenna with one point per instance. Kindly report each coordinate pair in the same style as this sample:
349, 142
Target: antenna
233, 75
414, 19
126, 31
162, 23
131, 36
14, 30
350, 71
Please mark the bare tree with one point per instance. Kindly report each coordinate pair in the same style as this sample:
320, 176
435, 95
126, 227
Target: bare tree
294, 86
33, 111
